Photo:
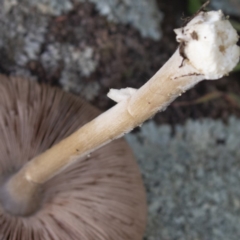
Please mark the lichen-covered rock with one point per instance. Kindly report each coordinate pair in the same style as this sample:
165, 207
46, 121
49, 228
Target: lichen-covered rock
76, 64
23, 29
192, 177
52, 7
22, 33
141, 14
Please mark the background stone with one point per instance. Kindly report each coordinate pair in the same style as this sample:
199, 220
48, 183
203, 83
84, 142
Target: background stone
192, 176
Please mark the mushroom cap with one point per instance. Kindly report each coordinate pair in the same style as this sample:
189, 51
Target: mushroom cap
100, 197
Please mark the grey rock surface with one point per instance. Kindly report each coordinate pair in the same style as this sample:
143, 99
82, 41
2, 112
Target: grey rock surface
76, 63
141, 14
23, 29
52, 7
192, 177
21, 34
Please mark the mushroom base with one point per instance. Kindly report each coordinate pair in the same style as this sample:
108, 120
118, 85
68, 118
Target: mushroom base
20, 197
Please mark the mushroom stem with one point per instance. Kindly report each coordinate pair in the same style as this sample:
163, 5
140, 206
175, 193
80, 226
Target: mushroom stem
168, 83
182, 71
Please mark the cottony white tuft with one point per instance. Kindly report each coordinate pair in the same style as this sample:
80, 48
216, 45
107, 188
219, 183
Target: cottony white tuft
121, 94
209, 44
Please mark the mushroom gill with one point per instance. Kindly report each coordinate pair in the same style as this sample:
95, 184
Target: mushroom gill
99, 197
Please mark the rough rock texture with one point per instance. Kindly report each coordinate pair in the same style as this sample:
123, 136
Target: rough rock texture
76, 63
192, 176
23, 44
141, 14
52, 7
21, 34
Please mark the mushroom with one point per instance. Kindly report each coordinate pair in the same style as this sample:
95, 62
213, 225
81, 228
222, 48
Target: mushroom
100, 196
27, 179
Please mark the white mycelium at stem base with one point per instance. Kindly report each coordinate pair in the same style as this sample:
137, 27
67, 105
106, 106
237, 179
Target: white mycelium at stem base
210, 44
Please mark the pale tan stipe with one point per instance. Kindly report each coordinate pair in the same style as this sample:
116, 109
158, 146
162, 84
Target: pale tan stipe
168, 83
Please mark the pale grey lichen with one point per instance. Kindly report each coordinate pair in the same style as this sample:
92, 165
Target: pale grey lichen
144, 15
22, 33
23, 27
52, 7
192, 177
76, 65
